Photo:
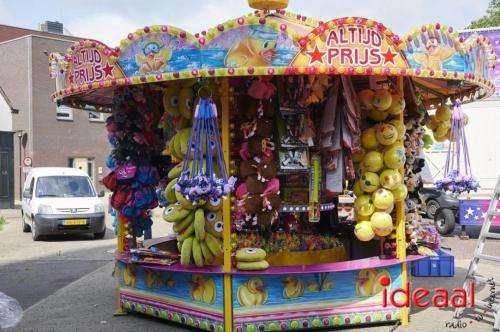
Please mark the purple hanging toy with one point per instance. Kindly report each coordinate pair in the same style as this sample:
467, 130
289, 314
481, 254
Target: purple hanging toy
198, 181
457, 172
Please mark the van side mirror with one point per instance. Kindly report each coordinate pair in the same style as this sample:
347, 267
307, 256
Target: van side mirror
26, 193
101, 193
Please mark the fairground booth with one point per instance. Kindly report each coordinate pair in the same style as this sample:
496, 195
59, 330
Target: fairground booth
285, 153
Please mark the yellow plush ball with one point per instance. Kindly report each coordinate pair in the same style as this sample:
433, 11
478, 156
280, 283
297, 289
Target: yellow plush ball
390, 179
400, 192
433, 123
369, 139
358, 155
443, 113
441, 129
381, 223
394, 157
386, 134
388, 210
369, 182
373, 161
363, 231
356, 189
382, 199
360, 218
400, 127
382, 100
398, 104
377, 115
364, 206
365, 98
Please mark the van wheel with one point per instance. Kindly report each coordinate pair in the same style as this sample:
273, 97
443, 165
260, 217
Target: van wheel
26, 227
35, 234
100, 235
444, 220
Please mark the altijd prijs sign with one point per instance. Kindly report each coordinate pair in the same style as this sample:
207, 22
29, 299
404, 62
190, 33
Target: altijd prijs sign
351, 45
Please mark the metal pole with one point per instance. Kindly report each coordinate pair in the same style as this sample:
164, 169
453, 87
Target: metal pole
20, 135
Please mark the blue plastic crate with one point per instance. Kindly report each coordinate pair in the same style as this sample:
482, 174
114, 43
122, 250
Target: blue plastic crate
442, 265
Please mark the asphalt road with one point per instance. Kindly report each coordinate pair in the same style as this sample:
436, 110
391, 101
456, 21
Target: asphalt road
61, 275
31, 271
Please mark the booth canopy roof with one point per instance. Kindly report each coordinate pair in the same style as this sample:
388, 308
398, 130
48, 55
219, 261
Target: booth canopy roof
275, 43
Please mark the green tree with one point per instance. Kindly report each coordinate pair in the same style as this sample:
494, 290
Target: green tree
491, 19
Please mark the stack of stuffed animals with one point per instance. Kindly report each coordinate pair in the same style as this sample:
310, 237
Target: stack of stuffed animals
379, 183
198, 227
135, 142
257, 196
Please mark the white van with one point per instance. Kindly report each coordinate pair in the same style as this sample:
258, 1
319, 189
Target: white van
59, 200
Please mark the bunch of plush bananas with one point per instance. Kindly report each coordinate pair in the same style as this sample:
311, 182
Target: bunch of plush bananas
199, 228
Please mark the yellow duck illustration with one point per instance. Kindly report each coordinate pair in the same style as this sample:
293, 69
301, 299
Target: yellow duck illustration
154, 56
434, 55
327, 284
293, 288
258, 49
153, 279
377, 287
203, 290
170, 282
253, 293
128, 276
312, 286
365, 282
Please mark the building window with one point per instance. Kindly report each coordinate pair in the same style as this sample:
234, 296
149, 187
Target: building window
96, 117
64, 113
85, 164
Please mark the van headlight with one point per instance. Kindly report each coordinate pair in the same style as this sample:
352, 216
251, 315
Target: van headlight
98, 208
45, 209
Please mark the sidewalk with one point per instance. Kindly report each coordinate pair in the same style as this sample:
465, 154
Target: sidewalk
88, 304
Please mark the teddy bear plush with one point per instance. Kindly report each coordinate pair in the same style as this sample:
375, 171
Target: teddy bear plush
267, 219
271, 202
267, 170
253, 204
255, 186
258, 146
248, 168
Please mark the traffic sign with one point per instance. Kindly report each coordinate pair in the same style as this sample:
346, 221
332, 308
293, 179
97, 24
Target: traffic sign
27, 161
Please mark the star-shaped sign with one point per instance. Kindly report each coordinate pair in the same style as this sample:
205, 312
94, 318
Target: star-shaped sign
483, 216
476, 217
316, 55
469, 211
108, 70
389, 56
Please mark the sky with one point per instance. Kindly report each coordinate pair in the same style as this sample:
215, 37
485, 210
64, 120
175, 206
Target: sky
110, 21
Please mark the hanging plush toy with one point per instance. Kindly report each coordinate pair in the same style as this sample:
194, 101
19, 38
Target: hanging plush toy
457, 173
198, 181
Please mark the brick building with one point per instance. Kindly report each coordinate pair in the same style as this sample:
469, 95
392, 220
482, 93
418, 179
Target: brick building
31, 125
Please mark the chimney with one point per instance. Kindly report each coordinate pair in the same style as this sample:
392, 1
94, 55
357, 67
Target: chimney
52, 27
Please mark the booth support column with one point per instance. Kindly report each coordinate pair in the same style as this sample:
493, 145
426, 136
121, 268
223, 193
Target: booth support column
400, 223
120, 238
226, 210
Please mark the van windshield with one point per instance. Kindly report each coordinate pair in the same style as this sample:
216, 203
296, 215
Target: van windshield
64, 186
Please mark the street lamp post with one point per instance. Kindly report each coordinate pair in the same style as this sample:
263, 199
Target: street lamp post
19, 136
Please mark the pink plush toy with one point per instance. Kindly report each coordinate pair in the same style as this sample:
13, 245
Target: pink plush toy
241, 191
262, 88
272, 186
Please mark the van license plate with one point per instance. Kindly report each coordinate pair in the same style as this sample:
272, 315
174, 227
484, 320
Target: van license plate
75, 222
